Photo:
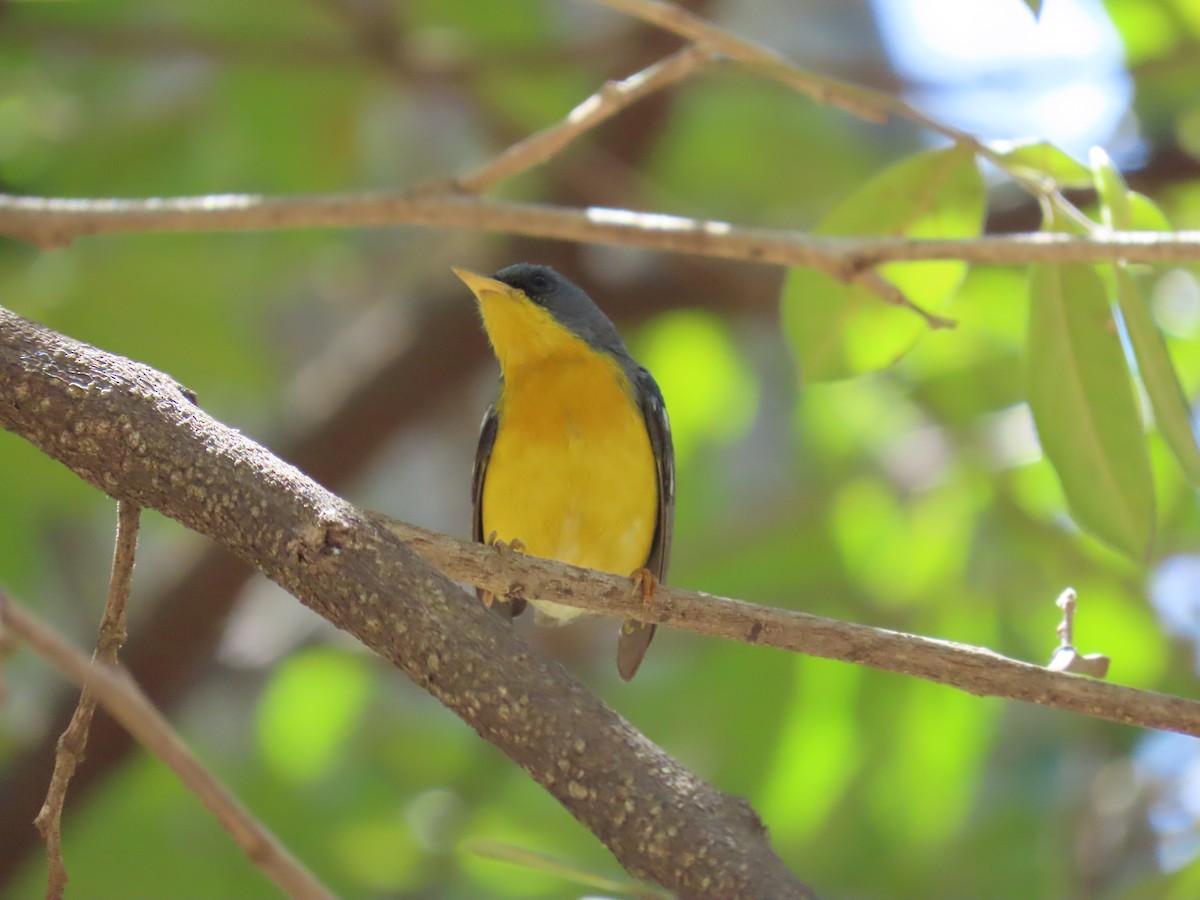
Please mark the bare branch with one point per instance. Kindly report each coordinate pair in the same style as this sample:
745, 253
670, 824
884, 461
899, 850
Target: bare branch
861, 102
73, 742
893, 296
613, 97
121, 696
133, 432
972, 669
113, 622
56, 222
865, 103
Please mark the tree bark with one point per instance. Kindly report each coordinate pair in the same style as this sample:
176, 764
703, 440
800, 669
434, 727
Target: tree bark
135, 434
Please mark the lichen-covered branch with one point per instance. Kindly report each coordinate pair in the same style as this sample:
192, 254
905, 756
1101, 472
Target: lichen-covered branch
134, 433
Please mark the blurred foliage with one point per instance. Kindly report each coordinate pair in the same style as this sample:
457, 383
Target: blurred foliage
912, 496
842, 329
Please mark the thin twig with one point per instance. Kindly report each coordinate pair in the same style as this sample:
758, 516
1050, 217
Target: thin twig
120, 695
73, 742
612, 98
52, 222
893, 296
861, 102
973, 669
873, 106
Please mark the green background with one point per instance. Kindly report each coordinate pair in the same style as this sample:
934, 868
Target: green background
912, 498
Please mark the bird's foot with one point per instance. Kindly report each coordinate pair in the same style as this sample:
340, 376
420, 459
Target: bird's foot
516, 545
646, 581
504, 548
513, 598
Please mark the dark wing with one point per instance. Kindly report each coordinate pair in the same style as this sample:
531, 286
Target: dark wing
650, 399
483, 455
634, 637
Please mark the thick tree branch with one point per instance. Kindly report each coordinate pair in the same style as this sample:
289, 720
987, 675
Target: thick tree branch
55, 222
973, 669
131, 431
121, 696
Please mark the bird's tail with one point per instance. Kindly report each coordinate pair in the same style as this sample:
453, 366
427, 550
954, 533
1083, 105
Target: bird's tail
632, 644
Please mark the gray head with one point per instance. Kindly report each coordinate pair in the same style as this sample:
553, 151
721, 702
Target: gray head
566, 302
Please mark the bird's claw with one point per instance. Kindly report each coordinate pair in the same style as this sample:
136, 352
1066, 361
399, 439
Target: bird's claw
505, 549
647, 582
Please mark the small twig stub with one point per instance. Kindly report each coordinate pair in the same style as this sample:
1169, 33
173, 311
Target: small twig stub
1065, 657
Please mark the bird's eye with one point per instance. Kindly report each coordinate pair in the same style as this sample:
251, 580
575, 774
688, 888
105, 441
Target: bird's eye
539, 282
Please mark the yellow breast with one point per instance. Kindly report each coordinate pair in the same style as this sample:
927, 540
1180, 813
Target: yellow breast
572, 473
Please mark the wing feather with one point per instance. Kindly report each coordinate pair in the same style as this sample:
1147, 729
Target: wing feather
483, 455
634, 637
658, 426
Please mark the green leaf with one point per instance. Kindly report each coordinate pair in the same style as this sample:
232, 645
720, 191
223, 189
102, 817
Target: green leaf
1121, 208
1041, 158
1115, 207
1145, 214
839, 330
1084, 407
1167, 399
1035, 6
1126, 210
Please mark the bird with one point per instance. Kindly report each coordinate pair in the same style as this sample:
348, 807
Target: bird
575, 460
